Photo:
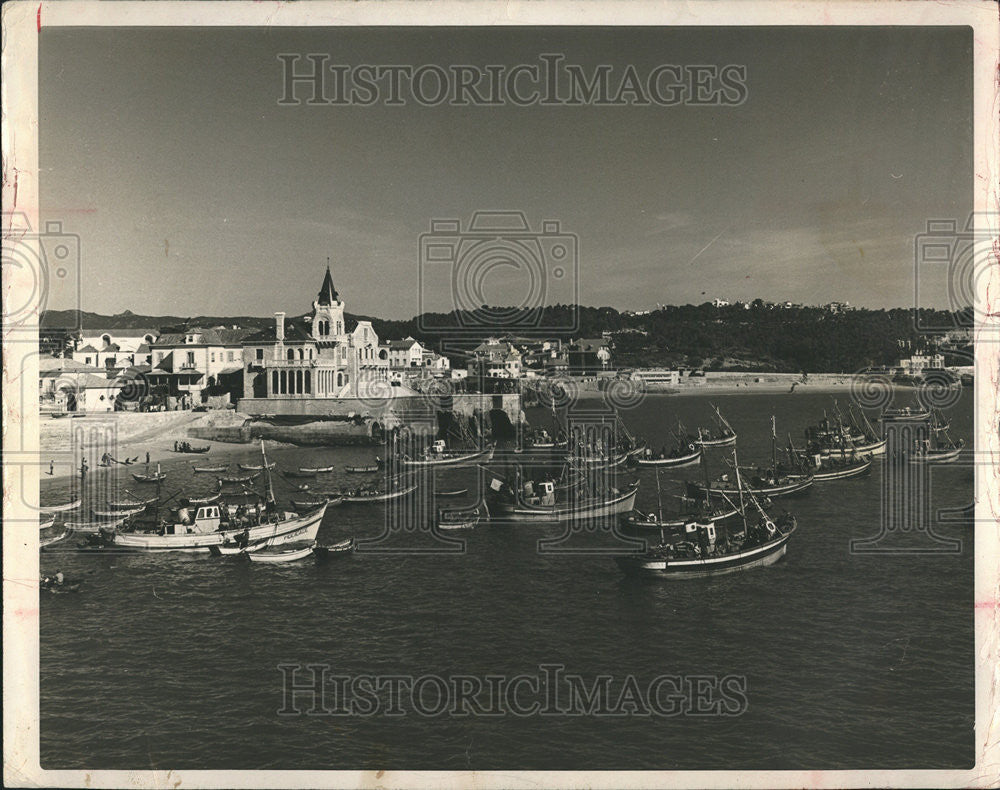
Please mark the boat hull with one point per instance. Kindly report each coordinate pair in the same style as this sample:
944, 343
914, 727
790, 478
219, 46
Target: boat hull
561, 512
482, 456
787, 489
842, 474
760, 556
723, 442
683, 460
381, 497
640, 523
304, 527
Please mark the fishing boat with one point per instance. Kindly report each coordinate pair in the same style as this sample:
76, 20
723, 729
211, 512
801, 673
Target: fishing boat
454, 493
771, 482
358, 496
940, 448
339, 549
906, 413
703, 554
875, 447
209, 526
830, 467
46, 524
240, 479
288, 555
205, 500
297, 473
439, 456
640, 520
60, 508
43, 542
599, 460
254, 467
539, 502
156, 477
184, 447
131, 503
458, 519
236, 549
679, 456
723, 435
302, 505
315, 469
210, 469
119, 513
362, 469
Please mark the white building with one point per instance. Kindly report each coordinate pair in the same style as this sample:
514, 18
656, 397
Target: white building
113, 348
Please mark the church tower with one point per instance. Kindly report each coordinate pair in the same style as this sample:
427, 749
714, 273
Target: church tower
328, 311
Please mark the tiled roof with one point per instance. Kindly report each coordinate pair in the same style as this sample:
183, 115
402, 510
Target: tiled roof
218, 336
87, 349
294, 333
405, 344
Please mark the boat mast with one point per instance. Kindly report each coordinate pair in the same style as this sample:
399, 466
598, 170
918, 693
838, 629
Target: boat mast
739, 485
774, 448
267, 471
659, 499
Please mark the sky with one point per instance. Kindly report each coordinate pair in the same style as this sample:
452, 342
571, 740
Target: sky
193, 191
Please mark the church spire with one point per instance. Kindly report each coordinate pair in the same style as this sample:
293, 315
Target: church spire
327, 293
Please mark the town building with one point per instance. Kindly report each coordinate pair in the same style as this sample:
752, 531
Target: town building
111, 349
320, 357
916, 364
199, 363
589, 355
657, 376
497, 359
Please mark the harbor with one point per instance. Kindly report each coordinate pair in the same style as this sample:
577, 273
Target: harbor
852, 648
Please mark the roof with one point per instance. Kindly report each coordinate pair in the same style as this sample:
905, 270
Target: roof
143, 348
118, 332
404, 344
327, 293
217, 336
111, 347
294, 333
90, 381
87, 349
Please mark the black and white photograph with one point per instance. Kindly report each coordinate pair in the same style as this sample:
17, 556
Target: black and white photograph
500, 395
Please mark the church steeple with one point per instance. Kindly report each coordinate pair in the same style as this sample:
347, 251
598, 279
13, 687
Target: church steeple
327, 293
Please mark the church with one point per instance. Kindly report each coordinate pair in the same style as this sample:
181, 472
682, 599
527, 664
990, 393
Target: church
317, 356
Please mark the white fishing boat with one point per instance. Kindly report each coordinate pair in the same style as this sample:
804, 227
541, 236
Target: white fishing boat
686, 456
289, 555
206, 528
543, 505
60, 508
723, 436
374, 495
439, 456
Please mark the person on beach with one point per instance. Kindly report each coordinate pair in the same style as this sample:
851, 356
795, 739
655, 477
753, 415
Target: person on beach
147, 457
52, 467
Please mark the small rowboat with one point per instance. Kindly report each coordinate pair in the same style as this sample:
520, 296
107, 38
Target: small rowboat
942, 455
212, 469
692, 457
458, 519
233, 550
93, 526
243, 479
298, 473
314, 470
874, 447
456, 492
196, 450
334, 498
119, 513
129, 504
254, 467
718, 441
600, 461
360, 470
61, 508
380, 496
43, 542
302, 505
206, 500
340, 549
46, 524
291, 555
153, 478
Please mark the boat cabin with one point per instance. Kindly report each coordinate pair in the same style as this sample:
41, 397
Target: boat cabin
206, 519
438, 447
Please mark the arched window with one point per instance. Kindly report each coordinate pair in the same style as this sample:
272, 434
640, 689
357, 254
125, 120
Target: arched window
291, 353
106, 339
300, 353
284, 382
382, 354
298, 382
274, 382
340, 327
308, 388
340, 379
